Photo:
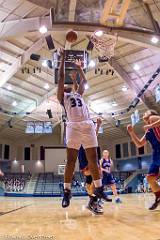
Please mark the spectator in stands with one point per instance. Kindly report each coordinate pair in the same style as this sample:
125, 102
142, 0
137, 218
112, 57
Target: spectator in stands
77, 184
145, 184
61, 186
14, 184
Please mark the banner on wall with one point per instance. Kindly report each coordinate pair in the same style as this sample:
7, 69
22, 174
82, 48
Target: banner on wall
38, 127
157, 93
135, 118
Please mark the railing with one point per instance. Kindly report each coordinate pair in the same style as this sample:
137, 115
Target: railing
132, 176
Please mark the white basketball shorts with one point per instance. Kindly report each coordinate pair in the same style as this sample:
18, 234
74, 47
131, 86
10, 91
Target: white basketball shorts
81, 133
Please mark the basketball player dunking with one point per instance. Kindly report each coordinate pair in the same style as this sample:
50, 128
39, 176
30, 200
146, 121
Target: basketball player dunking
152, 134
79, 131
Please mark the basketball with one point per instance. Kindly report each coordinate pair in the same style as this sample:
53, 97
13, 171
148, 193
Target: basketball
71, 36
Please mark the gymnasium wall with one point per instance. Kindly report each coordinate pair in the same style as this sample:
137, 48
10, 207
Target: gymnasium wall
11, 143
53, 158
17, 152
53, 140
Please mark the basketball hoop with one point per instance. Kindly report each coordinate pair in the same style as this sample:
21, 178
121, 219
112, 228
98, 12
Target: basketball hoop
104, 45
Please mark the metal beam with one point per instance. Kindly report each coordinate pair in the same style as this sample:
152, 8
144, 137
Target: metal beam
39, 102
109, 11
154, 22
18, 62
138, 37
33, 49
21, 92
10, 71
71, 18
72, 10
41, 3
124, 76
19, 27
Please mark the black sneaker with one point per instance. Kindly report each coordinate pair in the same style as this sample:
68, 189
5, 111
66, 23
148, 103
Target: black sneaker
100, 204
99, 192
66, 198
155, 204
93, 207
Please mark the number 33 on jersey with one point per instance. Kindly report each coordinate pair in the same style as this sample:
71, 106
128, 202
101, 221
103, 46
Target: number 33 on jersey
75, 107
76, 102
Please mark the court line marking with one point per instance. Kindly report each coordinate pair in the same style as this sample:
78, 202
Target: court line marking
14, 210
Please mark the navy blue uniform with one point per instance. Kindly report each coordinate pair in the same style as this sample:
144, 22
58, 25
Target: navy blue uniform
83, 162
108, 178
153, 136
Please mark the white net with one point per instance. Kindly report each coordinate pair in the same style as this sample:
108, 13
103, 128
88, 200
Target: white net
104, 45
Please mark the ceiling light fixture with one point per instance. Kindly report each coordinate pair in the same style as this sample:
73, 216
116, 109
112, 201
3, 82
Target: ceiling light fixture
46, 86
114, 104
91, 64
43, 29
14, 103
9, 87
44, 63
136, 67
98, 33
124, 89
154, 40
86, 86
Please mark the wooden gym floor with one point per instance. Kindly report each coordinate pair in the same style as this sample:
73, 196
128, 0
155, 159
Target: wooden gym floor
28, 218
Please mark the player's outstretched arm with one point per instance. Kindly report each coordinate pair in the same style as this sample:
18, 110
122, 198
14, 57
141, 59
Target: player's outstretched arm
99, 123
75, 85
83, 79
111, 162
137, 141
60, 90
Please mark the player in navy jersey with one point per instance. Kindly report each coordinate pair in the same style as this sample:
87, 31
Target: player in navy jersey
152, 134
79, 131
107, 177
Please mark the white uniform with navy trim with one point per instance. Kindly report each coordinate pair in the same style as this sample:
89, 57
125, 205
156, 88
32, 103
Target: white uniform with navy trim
80, 128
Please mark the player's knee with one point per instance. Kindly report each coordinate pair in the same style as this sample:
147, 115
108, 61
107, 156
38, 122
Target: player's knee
89, 179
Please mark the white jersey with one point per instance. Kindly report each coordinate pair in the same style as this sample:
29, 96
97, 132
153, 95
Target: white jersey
76, 108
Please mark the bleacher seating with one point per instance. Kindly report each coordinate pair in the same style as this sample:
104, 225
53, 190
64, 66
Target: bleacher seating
50, 184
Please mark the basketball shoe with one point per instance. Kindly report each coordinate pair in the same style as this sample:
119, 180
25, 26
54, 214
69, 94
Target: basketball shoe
66, 198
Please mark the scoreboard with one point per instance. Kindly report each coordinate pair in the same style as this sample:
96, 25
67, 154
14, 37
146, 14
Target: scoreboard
70, 57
